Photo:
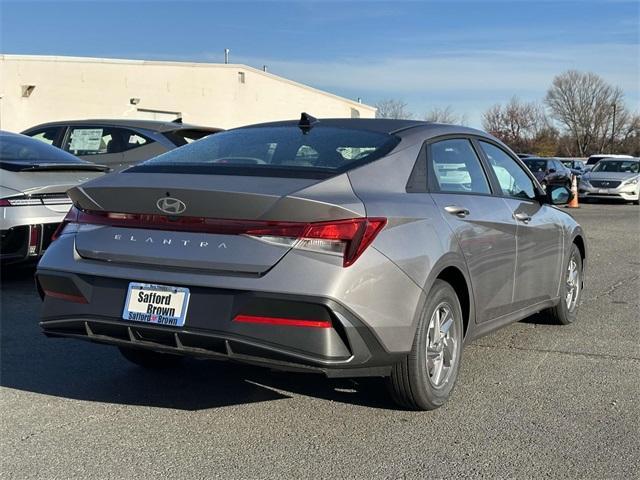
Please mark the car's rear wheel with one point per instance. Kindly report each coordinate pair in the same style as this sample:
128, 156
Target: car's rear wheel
149, 358
425, 378
565, 311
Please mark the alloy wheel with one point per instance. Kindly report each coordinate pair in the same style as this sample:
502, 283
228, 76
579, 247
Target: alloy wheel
442, 344
573, 284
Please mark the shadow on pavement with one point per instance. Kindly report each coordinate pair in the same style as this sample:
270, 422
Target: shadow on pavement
79, 370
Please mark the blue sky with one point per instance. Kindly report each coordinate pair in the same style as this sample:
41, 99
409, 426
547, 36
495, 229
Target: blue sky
469, 55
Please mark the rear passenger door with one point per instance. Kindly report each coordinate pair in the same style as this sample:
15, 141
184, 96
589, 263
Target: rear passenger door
483, 224
539, 234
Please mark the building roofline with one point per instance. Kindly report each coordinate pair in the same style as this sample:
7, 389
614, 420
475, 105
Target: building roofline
62, 58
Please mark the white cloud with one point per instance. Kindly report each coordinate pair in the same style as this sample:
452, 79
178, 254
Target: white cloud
469, 80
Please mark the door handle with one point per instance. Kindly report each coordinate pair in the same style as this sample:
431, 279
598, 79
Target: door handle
523, 217
457, 211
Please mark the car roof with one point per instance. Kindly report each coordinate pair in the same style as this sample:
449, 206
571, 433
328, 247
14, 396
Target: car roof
620, 159
154, 125
382, 125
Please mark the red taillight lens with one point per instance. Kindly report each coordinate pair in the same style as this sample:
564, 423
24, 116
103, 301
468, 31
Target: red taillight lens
70, 217
348, 238
355, 235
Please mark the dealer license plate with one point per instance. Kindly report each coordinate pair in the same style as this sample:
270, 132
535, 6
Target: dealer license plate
603, 190
158, 304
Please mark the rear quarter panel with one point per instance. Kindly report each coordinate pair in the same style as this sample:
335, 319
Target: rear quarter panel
417, 239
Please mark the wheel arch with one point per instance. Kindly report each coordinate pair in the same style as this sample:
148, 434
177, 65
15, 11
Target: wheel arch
454, 277
579, 241
452, 269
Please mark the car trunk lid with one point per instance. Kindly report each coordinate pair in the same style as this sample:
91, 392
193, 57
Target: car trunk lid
203, 222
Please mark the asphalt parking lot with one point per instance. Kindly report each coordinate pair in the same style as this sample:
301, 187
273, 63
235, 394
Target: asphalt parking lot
533, 400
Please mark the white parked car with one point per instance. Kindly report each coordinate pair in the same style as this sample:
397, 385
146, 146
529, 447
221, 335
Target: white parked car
613, 178
593, 159
34, 178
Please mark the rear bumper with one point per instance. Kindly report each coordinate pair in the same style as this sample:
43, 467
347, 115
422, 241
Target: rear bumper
347, 349
25, 242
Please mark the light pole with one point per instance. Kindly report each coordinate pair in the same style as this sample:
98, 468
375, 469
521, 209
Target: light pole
613, 128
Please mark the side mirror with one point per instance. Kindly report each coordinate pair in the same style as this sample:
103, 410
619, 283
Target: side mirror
552, 170
558, 195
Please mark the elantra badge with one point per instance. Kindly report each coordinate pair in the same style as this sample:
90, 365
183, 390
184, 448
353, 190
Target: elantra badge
172, 206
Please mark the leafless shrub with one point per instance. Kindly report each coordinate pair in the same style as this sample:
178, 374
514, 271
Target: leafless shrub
445, 115
392, 108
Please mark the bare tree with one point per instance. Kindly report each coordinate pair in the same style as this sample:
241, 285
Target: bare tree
628, 140
517, 123
584, 104
391, 108
445, 115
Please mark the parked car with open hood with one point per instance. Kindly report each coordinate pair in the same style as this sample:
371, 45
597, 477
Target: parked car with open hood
613, 178
118, 143
33, 200
350, 247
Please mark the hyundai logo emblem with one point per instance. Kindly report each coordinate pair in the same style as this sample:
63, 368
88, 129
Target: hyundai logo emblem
172, 206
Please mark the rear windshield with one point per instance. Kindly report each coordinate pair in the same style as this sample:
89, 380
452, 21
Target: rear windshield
623, 166
282, 151
535, 165
26, 150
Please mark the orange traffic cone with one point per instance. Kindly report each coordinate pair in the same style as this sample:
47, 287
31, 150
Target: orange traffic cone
574, 191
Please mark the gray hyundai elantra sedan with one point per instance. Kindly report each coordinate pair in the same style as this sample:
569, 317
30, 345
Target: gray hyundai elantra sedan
350, 247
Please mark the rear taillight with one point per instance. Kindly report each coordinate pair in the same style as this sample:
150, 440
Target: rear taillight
70, 218
35, 234
346, 238
34, 200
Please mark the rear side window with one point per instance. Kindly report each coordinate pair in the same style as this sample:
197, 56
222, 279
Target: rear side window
132, 140
455, 168
186, 135
275, 151
536, 165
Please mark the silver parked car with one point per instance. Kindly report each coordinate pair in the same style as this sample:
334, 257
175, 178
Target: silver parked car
352, 247
613, 178
33, 180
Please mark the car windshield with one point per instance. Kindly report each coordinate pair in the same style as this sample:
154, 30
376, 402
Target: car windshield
25, 150
275, 151
536, 165
623, 166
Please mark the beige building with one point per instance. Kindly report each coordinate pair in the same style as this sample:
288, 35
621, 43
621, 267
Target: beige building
38, 89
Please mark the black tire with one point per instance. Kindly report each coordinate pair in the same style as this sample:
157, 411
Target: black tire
411, 385
562, 313
150, 359
636, 202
